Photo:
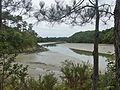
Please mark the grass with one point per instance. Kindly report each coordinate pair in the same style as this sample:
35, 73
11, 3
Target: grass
89, 53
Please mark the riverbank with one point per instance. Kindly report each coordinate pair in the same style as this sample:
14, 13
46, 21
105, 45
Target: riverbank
103, 48
90, 53
41, 62
35, 49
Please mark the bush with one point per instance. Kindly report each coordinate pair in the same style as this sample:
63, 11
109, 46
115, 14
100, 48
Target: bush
76, 76
46, 82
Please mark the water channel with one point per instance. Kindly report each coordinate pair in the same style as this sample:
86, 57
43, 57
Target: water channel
51, 60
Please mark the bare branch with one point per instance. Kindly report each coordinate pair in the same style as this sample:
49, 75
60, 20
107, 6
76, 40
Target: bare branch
107, 12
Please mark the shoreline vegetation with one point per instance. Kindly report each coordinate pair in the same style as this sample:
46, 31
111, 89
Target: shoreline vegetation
35, 49
89, 53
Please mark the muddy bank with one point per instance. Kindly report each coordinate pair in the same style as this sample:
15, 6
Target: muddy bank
42, 62
34, 49
103, 48
90, 53
36, 68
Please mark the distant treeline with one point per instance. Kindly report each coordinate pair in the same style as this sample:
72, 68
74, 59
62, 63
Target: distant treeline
106, 36
53, 39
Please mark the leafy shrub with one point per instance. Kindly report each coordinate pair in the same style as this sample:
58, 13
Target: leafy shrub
76, 76
107, 81
46, 82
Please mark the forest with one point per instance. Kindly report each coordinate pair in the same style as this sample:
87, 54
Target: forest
19, 39
19, 35
105, 37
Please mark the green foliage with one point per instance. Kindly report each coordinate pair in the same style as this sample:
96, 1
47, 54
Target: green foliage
12, 42
16, 34
11, 74
61, 86
82, 37
49, 81
18, 77
13, 32
52, 39
46, 82
76, 76
106, 36
12, 39
107, 81
29, 40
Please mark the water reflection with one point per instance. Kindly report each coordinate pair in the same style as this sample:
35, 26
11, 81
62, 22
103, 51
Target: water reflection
60, 49
57, 54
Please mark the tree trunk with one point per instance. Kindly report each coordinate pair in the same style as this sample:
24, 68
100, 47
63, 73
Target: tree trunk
117, 41
0, 14
1, 78
95, 52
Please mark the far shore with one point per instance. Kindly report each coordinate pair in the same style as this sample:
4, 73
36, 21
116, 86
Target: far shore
90, 53
103, 48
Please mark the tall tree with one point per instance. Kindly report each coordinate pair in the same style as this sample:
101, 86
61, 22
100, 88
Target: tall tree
9, 6
77, 14
95, 52
19, 6
117, 41
0, 14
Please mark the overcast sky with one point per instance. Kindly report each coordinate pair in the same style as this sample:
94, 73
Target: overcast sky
45, 29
